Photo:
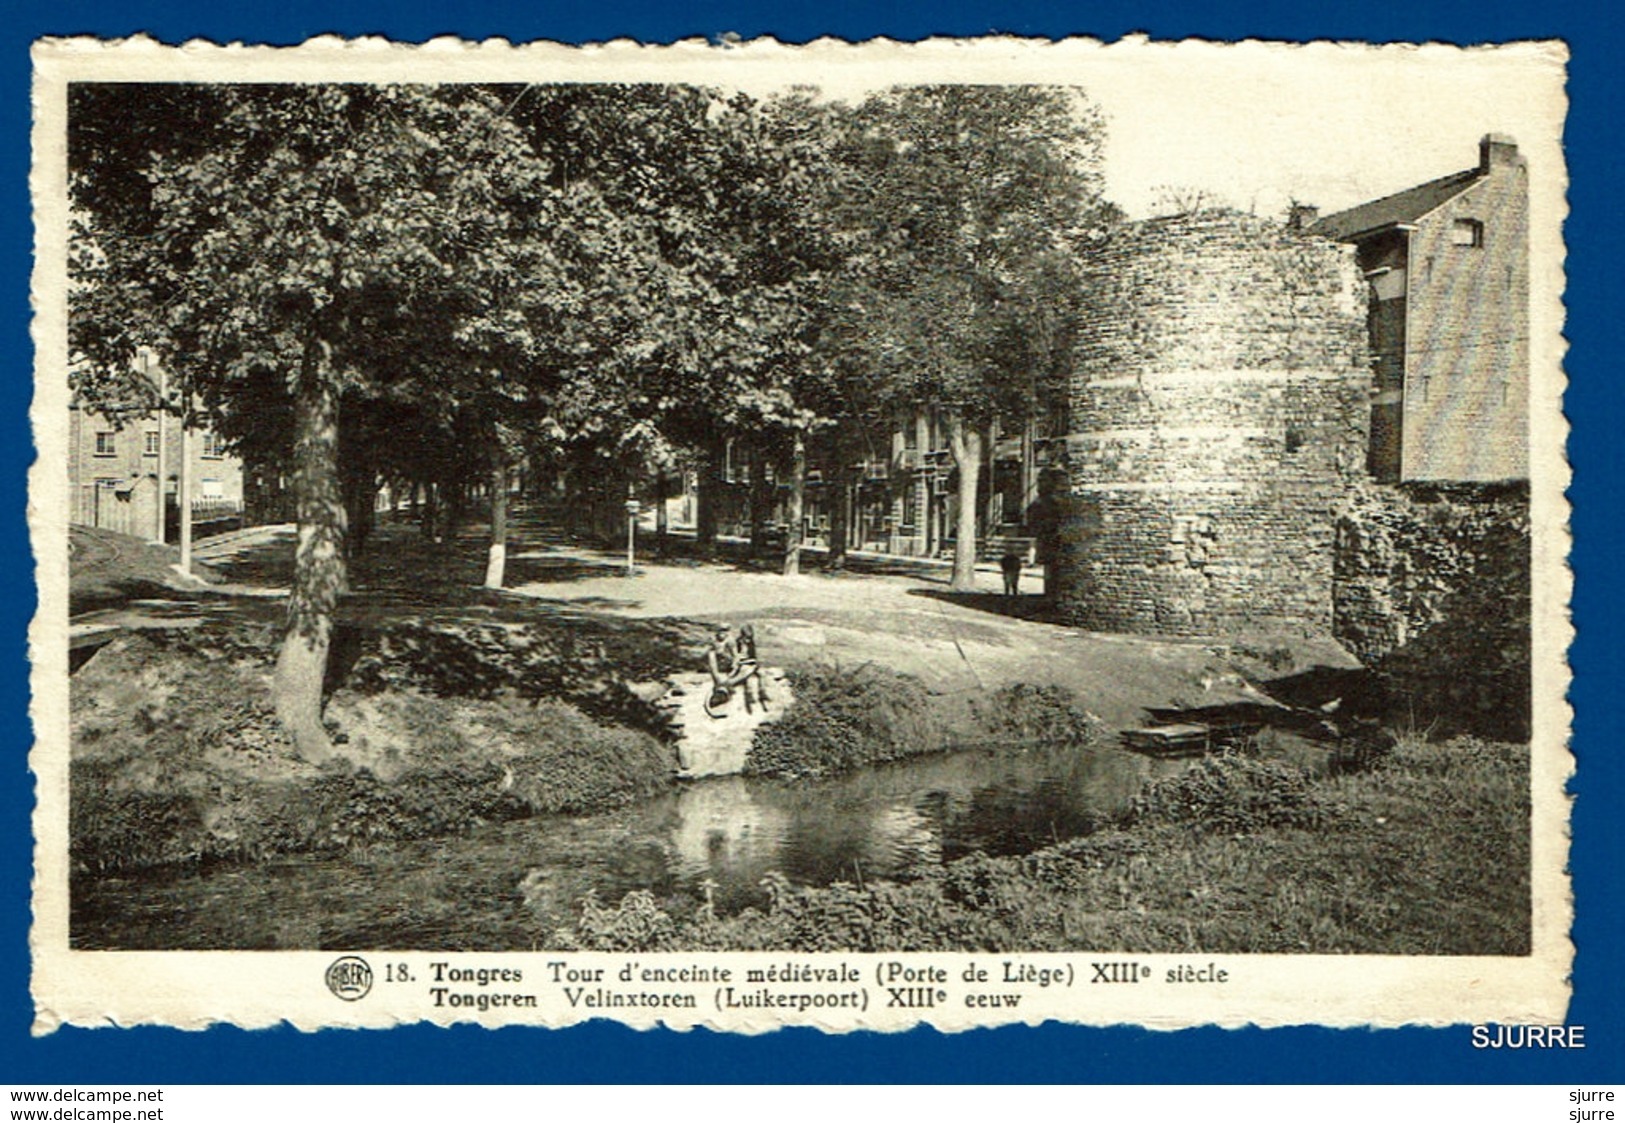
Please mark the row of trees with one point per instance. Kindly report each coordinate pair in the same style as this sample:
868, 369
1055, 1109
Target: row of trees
431, 284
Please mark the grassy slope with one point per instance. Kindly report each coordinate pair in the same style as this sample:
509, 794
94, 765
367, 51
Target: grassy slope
177, 757
1428, 853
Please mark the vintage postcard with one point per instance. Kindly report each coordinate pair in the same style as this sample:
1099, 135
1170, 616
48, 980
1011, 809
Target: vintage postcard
851, 535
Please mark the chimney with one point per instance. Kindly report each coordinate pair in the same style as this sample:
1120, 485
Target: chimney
1302, 216
1497, 150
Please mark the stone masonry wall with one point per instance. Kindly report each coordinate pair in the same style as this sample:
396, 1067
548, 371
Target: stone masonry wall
1432, 593
1220, 410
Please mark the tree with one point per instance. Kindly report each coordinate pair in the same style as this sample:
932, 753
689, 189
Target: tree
978, 195
713, 249
302, 246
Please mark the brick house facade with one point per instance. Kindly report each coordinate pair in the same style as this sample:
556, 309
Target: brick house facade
113, 469
1448, 266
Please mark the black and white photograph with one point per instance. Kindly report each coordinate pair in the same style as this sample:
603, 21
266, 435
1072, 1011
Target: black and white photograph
1091, 519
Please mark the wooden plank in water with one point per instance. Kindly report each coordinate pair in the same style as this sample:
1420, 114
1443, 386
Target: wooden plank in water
1183, 738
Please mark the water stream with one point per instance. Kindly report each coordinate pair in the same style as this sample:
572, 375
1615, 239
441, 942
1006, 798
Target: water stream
510, 885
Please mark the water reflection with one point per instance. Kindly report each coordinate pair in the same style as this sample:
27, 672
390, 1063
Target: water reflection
723, 832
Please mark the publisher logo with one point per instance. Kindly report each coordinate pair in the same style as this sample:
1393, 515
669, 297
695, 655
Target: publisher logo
349, 977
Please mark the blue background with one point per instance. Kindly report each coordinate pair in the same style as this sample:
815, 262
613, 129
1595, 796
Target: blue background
608, 1053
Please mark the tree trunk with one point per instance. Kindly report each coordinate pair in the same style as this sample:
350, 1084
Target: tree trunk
798, 496
840, 502
990, 513
362, 511
360, 484
455, 505
429, 522
497, 559
163, 442
710, 489
1029, 464
662, 517
318, 572
183, 489
761, 498
965, 442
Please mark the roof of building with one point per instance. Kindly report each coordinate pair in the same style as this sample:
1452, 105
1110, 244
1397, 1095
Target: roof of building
1403, 207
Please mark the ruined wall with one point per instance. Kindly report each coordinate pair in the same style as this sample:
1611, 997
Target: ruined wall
1220, 409
1432, 588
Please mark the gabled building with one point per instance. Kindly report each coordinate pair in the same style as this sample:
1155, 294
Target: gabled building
1448, 266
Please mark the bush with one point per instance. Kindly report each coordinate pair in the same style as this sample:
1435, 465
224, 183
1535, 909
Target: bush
572, 763
1047, 715
113, 829
585, 662
1229, 794
846, 719
637, 923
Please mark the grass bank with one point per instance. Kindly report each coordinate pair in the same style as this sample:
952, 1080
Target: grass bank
177, 756
850, 718
444, 725
1425, 853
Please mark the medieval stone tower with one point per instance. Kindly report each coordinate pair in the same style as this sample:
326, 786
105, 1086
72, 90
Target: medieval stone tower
1219, 411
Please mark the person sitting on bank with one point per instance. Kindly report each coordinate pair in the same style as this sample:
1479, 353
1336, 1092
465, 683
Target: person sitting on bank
721, 659
733, 663
748, 669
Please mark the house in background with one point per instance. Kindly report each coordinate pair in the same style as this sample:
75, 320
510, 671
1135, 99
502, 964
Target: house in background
900, 497
1448, 266
114, 468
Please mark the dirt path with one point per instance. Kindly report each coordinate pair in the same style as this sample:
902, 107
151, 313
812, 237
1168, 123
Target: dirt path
912, 623
904, 618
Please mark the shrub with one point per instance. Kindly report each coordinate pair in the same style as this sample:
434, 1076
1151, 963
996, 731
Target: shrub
1049, 715
587, 663
1229, 794
846, 719
637, 923
113, 828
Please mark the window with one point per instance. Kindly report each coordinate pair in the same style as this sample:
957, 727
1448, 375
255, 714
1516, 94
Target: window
1387, 284
1467, 232
151, 448
213, 447
210, 488
106, 444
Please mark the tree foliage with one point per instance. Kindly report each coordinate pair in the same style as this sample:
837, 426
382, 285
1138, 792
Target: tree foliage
980, 202
428, 284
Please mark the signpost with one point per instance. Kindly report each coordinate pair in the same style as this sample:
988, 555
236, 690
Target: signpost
631, 530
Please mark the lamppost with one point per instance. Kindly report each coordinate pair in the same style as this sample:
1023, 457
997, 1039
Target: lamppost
631, 530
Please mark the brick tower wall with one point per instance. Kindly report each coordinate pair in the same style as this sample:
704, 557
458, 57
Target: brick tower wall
1219, 411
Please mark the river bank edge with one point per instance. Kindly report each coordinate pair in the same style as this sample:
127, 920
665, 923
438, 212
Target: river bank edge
1425, 852
177, 758
178, 761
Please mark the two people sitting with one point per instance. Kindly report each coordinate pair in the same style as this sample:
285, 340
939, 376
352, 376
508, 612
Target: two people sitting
733, 664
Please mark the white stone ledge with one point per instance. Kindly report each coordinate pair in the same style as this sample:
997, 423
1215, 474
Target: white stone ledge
1182, 377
